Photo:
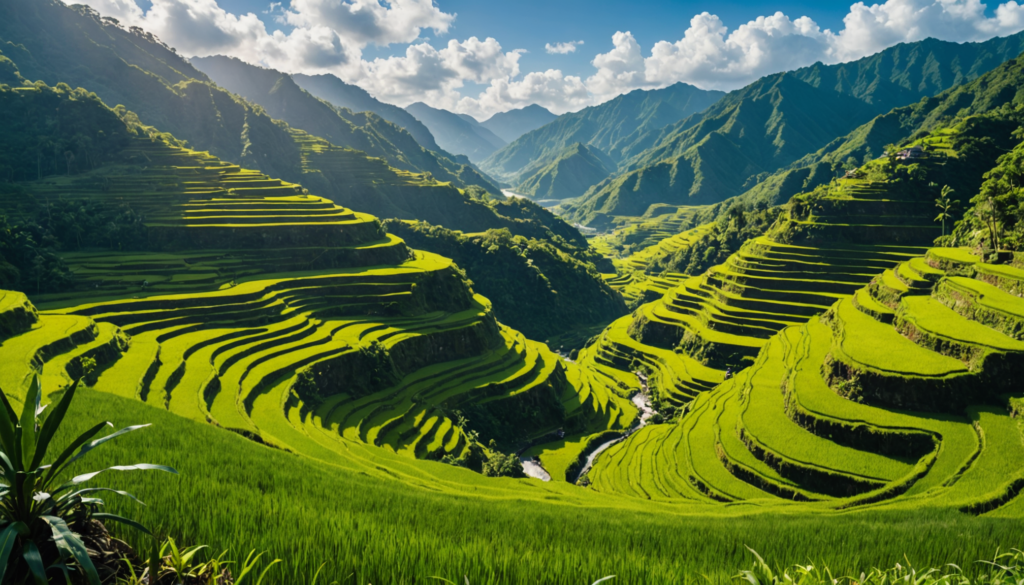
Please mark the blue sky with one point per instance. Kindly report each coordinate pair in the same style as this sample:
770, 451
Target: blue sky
480, 58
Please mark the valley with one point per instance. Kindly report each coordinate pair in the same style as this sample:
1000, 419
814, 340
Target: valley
386, 344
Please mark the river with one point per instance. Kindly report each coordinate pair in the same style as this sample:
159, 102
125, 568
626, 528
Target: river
643, 404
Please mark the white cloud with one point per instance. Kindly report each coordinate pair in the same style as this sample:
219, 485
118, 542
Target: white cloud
562, 48
328, 36
557, 92
370, 21
711, 56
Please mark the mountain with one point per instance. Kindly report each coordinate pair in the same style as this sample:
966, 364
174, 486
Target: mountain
777, 120
133, 68
996, 89
457, 133
573, 171
344, 95
616, 127
365, 131
512, 124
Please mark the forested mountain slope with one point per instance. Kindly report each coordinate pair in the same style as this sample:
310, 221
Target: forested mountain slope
131, 67
284, 100
570, 174
998, 89
345, 95
778, 119
455, 133
618, 127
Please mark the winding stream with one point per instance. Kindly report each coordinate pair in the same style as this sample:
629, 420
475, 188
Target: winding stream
533, 468
646, 412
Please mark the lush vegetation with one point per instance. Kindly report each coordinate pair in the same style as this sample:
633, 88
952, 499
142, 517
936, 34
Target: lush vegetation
536, 287
365, 131
816, 381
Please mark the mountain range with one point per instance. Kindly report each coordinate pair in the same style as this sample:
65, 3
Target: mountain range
619, 128
457, 133
345, 95
775, 121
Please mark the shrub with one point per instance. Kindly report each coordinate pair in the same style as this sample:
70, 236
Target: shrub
40, 520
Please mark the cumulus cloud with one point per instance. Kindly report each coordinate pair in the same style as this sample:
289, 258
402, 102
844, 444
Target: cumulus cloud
370, 21
562, 48
328, 36
709, 55
434, 76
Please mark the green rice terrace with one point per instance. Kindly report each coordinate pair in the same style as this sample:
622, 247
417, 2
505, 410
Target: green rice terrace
834, 383
217, 324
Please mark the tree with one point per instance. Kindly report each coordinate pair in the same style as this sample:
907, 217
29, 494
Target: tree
891, 152
990, 215
945, 205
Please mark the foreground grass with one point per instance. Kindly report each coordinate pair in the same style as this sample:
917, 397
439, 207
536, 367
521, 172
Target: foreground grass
235, 494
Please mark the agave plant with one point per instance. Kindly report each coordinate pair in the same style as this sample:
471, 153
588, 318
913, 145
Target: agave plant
39, 517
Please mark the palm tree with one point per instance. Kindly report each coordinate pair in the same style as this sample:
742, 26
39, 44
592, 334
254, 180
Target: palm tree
945, 205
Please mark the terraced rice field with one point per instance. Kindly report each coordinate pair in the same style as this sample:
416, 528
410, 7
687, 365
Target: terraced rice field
250, 283
633, 278
898, 395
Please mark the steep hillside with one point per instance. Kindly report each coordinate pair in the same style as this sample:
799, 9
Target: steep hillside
618, 127
779, 119
512, 124
570, 174
132, 68
252, 304
344, 95
285, 100
889, 325
997, 89
455, 133
535, 287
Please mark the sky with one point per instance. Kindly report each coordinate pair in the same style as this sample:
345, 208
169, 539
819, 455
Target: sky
480, 57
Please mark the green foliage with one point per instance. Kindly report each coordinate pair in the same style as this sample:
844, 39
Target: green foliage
994, 218
735, 224
1005, 569
29, 260
535, 286
40, 514
503, 465
365, 131
55, 131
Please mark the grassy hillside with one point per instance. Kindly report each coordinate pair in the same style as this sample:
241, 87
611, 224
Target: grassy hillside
570, 174
618, 128
457, 134
777, 120
344, 95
